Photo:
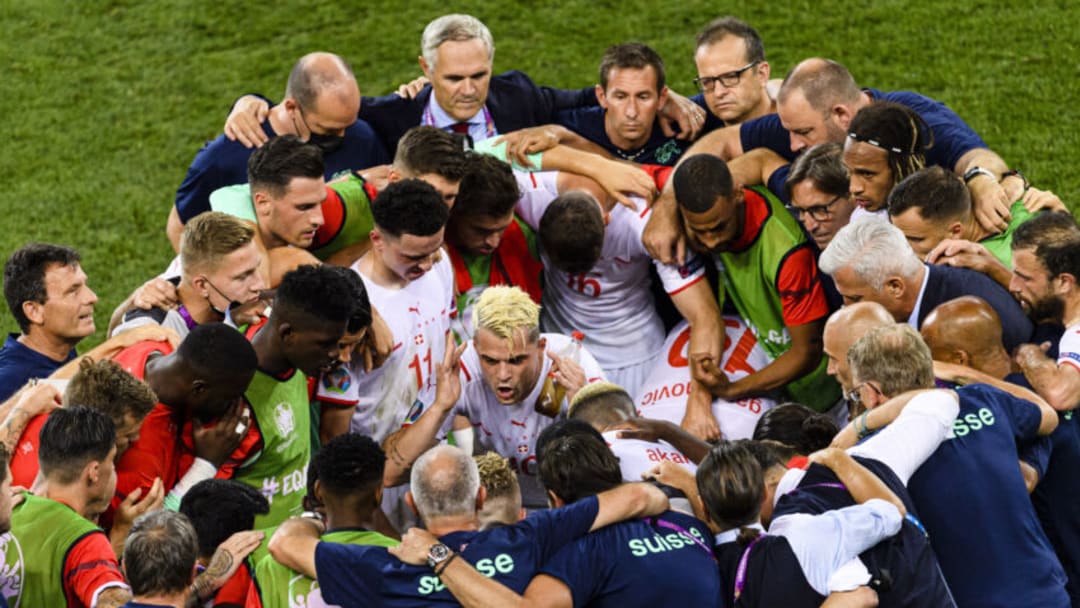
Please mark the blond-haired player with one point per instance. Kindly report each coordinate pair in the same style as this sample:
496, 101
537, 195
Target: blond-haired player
513, 385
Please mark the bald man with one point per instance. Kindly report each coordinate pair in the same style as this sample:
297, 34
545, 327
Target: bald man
843, 329
320, 106
967, 331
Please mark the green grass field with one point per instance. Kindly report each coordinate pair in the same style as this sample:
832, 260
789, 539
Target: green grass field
106, 103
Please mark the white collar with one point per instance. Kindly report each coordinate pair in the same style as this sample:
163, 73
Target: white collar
913, 319
728, 536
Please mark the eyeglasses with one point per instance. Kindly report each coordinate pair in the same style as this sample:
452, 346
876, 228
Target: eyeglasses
820, 213
855, 398
707, 83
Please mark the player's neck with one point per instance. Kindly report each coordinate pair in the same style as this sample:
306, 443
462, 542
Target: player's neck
53, 347
73, 496
440, 526
268, 351
176, 599
197, 306
974, 231
623, 143
280, 122
1071, 314
373, 269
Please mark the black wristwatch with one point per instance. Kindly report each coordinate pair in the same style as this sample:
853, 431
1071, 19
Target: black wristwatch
437, 554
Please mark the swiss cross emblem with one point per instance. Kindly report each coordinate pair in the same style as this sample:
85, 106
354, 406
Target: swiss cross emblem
523, 449
418, 339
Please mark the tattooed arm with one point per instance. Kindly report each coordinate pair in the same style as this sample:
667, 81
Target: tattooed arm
225, 562
32, 400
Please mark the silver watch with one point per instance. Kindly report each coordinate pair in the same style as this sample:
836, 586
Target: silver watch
437, 554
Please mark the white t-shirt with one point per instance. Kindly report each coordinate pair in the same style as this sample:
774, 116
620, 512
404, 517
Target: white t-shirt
611, 303
419, 317
664, 393
511, 430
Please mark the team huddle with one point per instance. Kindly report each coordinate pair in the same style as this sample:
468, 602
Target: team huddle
482, 342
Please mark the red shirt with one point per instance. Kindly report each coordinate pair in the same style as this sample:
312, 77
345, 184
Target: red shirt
90, 567
802, 298
24, 460
165, 447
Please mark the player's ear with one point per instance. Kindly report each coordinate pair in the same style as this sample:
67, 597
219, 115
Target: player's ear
541, 344
600, 97
34, 311
481, 497
662, 97
409, 497
425, 67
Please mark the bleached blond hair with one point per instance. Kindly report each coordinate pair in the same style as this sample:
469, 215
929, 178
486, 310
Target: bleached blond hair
505, 309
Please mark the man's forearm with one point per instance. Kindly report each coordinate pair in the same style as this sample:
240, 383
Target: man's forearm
474, 590
788, 367
406, 445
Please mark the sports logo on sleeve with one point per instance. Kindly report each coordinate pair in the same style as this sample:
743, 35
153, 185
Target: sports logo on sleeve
12, 572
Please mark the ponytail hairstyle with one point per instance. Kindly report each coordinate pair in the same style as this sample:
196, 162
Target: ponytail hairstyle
732, 487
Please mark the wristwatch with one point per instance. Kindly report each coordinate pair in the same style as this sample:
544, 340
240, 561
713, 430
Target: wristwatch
974, 172
437, 554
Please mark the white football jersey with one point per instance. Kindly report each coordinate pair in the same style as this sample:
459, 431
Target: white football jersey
637, 457
419, 317
511, 430
611, 303
663, 396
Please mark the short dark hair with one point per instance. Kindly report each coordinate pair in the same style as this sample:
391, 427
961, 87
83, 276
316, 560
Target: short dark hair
3, 462
1055, 237
350, 464
410, 206
700, 180
160, 553
276, 163
577, 466
898, 130
938, 194
215, 351
720, 28
796, 425
24, 275
572, 232
219, 508
562, 428
427, 149
633, 55
72, 437
108, 388
823, 166
312, 294
488, 188
731, 485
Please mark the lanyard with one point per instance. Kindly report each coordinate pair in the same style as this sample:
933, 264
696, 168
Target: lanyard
676, 527
489, 122
740, 572
186, 316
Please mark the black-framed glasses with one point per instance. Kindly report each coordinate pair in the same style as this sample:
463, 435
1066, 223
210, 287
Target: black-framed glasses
820, 213
728, 80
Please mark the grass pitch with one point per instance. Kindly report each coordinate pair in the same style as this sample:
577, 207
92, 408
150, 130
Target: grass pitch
106, 103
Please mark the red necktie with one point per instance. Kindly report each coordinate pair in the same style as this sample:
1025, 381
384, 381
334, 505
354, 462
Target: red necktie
460, 127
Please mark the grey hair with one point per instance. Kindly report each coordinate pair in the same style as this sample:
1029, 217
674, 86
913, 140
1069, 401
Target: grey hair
445, 481
895, 356
874, 249
458, 28
160, 553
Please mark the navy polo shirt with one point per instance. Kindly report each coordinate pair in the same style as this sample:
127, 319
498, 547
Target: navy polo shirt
971, 497
511, 555
589, 123
644, 562
222, 162
19, 363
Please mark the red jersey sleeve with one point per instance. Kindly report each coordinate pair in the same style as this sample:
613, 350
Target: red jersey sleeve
802, 298
239, 591
89, 568
24, 460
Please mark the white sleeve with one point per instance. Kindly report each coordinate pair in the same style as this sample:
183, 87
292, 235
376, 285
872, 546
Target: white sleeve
537, 192
919, 429
1069, 348
824, 543
849, 577
677, 278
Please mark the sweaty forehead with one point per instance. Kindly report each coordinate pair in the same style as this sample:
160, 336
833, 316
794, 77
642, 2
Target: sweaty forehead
724, 55
462, 58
